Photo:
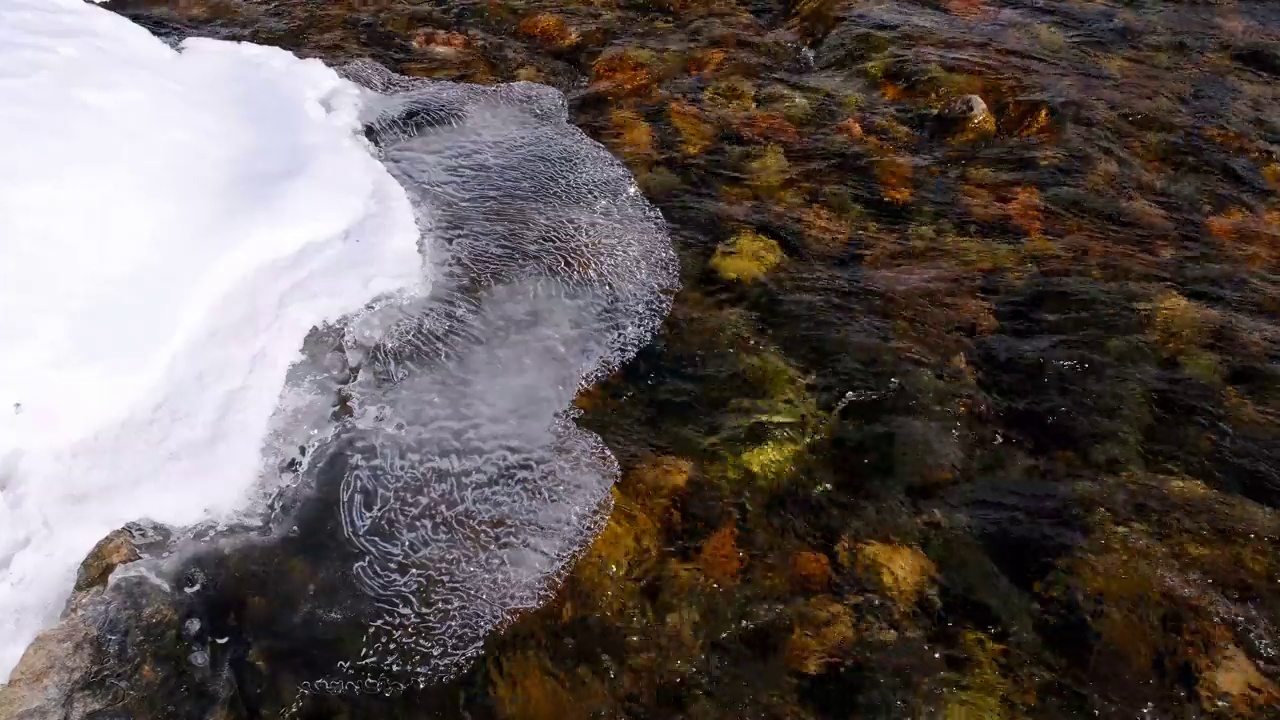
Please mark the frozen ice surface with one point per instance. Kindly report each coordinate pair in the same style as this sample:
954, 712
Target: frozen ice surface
466, 486
172, 225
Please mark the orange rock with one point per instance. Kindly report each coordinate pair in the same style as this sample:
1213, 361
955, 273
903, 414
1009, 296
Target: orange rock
826, 233
900, 572
662, 476
549, 29
850, 128
624, 71
1024, 210
894, 174
705, 62
630, 136
696, 134
768, 126
810, 571
720, 559
1236, 679
822, 630
439, 40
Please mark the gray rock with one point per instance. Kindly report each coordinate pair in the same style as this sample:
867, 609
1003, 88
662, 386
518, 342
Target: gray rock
967, 108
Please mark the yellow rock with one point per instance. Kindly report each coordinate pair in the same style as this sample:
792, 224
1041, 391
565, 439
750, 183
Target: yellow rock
898, 571
822, 628
747, 257
1235, 678
524, 686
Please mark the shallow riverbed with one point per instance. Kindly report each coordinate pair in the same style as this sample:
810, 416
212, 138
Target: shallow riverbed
966, 410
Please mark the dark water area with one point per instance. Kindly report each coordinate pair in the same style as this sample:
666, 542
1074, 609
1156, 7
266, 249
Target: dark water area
967, 409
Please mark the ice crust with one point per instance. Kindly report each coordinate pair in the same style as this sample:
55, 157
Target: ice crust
172, 224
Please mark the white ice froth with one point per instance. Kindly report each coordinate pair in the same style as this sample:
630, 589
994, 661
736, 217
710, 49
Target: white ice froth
172, 224
466, 486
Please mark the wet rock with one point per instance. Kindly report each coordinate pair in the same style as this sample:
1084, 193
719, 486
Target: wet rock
967, 118
810, 571
550, 30
899, 572
57, 661
53, 670
110, 553
620, 72
527, 686
823, 628
1235, 680
849, 44
119, 648
746, 258
720, 559
659, 479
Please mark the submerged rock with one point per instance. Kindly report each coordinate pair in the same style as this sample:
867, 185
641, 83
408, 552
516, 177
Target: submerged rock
1261, 56
967, 118
746, 258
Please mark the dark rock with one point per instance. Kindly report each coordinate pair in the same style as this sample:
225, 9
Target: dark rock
118, 649
850, 44
1261, 56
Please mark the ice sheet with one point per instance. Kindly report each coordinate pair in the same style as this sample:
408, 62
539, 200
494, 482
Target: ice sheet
172, 224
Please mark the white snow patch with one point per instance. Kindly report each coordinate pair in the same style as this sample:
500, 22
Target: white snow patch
172, 224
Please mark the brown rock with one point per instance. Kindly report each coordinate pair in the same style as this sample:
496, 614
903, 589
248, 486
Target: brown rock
822, 628
110, 553
1236, 679
53, 664
810, 571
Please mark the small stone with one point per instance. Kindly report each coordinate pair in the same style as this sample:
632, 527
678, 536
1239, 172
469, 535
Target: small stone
970, 108
969, 117
549, 29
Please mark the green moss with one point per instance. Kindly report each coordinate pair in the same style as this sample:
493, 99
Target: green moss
772, 461
982, 691
660, 182
852, 102
1201, 365
793, 105
734, 94
746, 258
875, 70
768, 170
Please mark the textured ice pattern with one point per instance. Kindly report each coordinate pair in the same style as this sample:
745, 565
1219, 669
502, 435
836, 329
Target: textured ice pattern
467, 487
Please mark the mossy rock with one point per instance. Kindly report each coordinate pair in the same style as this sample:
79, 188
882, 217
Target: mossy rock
822, 629
899, 572
748, 257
